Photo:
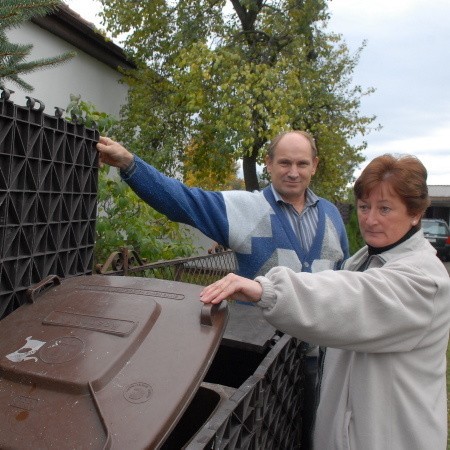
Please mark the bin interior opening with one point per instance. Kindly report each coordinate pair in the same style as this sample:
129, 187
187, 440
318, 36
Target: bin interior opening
197, 413
232, 366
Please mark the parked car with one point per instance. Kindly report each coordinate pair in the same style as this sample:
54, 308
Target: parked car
438, 234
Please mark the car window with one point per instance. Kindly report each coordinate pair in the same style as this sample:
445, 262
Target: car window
435, 228
441, 229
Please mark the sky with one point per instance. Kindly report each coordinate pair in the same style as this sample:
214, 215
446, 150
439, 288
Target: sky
406, 59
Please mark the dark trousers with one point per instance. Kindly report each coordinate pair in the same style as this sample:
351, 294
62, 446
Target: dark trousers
309, 400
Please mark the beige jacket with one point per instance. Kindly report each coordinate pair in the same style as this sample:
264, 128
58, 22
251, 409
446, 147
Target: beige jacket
387, 330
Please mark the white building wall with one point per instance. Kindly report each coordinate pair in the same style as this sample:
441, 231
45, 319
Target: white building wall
82, 75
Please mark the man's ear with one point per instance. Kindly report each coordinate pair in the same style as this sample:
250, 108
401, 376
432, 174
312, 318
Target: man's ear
315, 164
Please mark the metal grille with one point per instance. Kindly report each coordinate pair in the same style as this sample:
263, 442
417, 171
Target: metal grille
201, 270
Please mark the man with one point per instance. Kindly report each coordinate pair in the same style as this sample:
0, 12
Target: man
285, 224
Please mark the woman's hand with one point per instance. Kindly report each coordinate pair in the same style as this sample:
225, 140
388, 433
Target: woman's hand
113, 154
232, 287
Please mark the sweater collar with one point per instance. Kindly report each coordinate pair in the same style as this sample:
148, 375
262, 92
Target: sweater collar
311, 198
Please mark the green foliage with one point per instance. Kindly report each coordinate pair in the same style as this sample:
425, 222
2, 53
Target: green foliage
122, 218
355, 239
86, 112
13, 57
224, 80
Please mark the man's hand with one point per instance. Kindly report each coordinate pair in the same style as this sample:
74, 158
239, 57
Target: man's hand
232, 287
113, 154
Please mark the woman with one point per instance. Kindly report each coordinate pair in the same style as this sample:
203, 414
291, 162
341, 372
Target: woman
384, 318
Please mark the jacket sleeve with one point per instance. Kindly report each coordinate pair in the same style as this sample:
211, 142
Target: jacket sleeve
204, 210
386, 309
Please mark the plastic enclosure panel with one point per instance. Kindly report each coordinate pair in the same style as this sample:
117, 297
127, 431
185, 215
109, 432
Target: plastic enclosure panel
265, 412
48, 199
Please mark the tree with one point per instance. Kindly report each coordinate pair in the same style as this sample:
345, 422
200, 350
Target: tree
199, 170
13, 57
221, 81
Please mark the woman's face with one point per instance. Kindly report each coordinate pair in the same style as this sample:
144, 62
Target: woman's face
383, 217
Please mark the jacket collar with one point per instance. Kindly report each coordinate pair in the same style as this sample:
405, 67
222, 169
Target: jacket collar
413, 244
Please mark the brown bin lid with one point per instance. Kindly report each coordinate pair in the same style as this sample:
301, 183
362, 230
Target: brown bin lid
103, 362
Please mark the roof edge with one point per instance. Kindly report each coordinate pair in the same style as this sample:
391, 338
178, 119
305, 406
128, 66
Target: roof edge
70, 26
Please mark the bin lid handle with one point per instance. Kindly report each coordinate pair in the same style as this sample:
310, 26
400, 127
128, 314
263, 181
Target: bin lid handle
46, 283
207, 313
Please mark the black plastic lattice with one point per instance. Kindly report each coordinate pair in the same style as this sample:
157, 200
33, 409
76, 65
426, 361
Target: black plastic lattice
48, 199
265, 412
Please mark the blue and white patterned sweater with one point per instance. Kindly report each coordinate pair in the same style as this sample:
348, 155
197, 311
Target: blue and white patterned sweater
252, 224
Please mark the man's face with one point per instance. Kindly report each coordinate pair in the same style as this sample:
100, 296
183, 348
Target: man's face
292, 167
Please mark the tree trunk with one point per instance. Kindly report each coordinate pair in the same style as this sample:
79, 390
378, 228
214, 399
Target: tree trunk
250, 175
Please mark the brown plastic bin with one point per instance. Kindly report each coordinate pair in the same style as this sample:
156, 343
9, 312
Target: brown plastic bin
103, 362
